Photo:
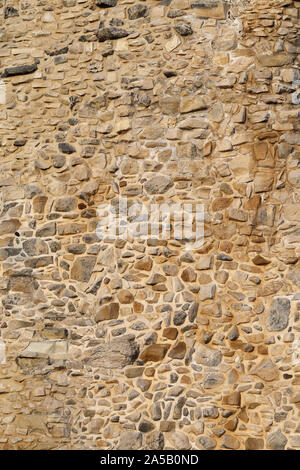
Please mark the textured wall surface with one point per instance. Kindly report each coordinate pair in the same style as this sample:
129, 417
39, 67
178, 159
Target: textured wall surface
132, 343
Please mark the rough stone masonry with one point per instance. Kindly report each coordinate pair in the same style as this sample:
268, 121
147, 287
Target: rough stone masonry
141, 344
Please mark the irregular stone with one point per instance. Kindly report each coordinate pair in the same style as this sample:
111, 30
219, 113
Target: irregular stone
64, 147
192, 103
253, 443
266, 370
234, 399
183, 29
125, 296
106, 3
137, 11
154, 352
19, 70
10, 12
145, 426
158, 184
144, 264
47, 230
207, 292
116, 354
230, 442
110, 33
278, 318
52, 349
207, 443
207, 356
212, 380
65, 204
130, 440
154, 441
276, 441
170, 333
169, 104
260, 260
179, 351
274, 60
179, 440
9, 226
82, 268
107, 312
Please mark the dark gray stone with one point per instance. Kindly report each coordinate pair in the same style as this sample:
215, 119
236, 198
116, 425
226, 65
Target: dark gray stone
108, 34
179, 318
63, 50
10, 12
193, 310
64, 147
106, 3
19, 70
137, 11
183, 29
146, 426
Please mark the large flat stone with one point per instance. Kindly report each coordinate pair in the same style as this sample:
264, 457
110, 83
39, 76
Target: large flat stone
115, 354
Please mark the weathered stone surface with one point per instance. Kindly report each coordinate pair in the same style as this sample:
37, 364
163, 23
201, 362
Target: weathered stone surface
212, 380
65, 204
278, 317
83, 268
169, 104
115, 354
266, 370
207, 356
183, 29
111, 33
274, 60
158, 184
9, 226
180, 441
130, 440
276, 441
137, 11
10, 11
192, 103
207, 443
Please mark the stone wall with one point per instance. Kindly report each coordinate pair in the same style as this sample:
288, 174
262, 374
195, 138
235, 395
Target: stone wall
130, 344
